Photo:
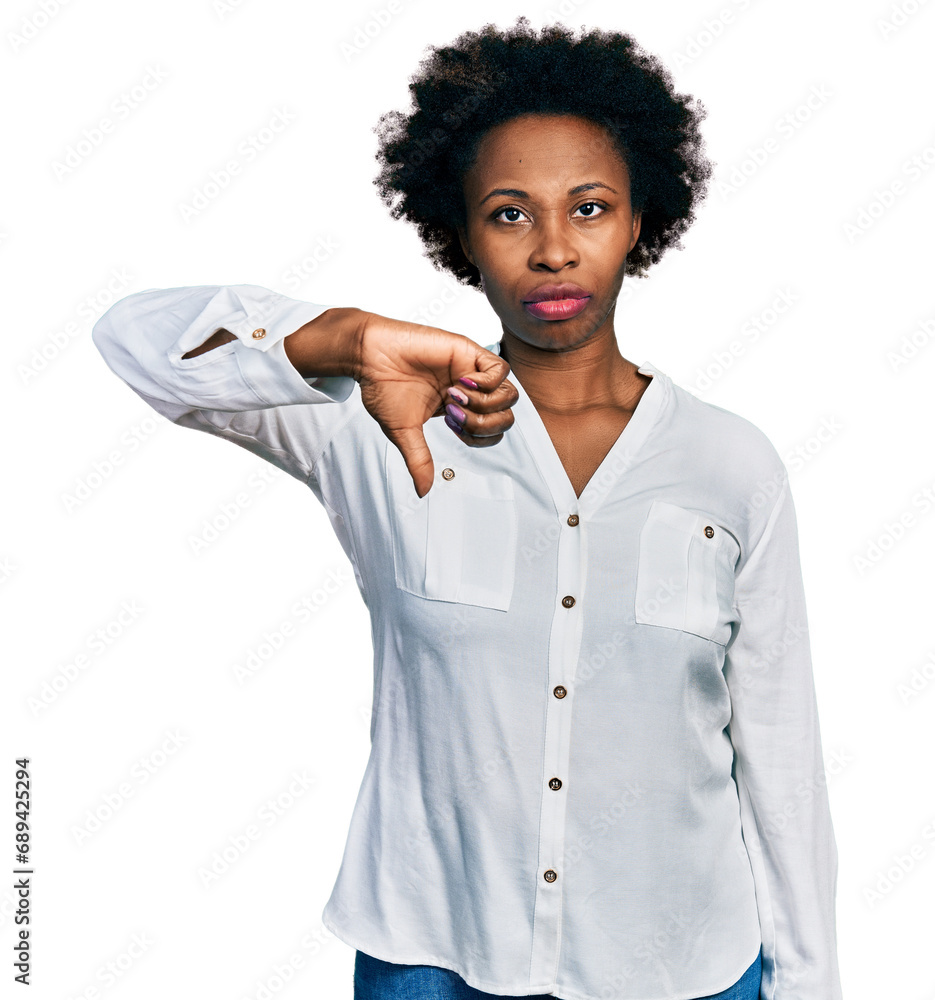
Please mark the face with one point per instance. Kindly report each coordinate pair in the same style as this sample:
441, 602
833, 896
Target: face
549, 226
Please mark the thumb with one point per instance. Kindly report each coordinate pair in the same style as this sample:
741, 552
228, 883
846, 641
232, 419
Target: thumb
412, 446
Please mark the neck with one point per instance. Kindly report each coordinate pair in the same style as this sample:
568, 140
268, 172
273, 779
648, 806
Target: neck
577, 379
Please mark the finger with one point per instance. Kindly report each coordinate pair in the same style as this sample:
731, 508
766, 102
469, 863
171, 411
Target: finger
478, 429
480, 440
489, 371
502, 397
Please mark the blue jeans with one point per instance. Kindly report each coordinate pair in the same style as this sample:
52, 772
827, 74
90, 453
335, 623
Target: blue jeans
375, 979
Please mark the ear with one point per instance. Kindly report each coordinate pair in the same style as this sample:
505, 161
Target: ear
637, 220
465, 246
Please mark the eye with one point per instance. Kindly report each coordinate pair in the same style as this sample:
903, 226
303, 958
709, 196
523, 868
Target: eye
588, 209
509, 213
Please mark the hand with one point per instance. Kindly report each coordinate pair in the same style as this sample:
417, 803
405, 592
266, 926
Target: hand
404, 372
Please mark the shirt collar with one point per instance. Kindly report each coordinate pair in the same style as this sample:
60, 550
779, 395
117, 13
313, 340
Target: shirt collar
616, 462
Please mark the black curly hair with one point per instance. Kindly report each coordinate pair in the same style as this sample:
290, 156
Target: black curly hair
489, 76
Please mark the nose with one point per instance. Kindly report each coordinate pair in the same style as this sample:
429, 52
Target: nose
555, 245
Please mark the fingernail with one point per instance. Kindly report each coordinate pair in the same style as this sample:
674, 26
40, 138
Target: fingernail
469, 382
453, 424
456, 412
457, 394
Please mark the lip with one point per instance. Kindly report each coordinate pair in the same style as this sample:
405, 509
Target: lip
553, 309
556, 302
566, 290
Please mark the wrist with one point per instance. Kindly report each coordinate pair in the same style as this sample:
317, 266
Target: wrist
330, 344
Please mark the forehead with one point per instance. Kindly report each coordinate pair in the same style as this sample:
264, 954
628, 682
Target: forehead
550, 144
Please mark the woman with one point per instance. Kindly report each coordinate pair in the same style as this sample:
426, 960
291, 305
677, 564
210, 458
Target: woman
596, 764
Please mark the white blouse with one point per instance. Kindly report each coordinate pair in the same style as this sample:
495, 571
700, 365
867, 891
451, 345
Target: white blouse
596, 767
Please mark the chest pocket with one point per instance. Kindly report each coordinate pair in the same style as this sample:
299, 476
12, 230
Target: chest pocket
457, 543
685, 574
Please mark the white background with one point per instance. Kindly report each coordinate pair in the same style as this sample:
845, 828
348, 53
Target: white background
822, 217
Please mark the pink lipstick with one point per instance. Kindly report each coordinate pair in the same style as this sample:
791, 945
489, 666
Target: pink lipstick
556, 302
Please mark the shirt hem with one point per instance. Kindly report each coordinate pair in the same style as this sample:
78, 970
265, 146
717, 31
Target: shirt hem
487, 986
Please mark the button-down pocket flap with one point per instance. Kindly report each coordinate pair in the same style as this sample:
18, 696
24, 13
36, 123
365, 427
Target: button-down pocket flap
458, 542
677, 573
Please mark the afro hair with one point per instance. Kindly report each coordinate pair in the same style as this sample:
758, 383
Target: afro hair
490, 76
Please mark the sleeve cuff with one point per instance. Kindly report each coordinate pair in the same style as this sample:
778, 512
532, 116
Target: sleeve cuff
261, 319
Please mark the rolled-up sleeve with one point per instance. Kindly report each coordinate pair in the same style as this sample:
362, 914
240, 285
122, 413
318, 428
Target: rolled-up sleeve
246, 390
779, 767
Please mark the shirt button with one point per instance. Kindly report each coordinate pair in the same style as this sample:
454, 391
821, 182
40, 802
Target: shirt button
549, 875
573, 519
568, 602
709, 531
559, 691
448, 473
258, 334
555, 784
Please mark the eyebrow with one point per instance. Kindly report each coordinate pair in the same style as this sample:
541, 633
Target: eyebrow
516, 193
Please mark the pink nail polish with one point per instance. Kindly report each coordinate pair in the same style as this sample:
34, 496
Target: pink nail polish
456, 412
469, 382
457, 395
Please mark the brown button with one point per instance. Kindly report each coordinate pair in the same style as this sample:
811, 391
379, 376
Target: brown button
568, 602
559, 691
448, 473
259, 334
709, 531
573, 519
549, 875
555, 784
